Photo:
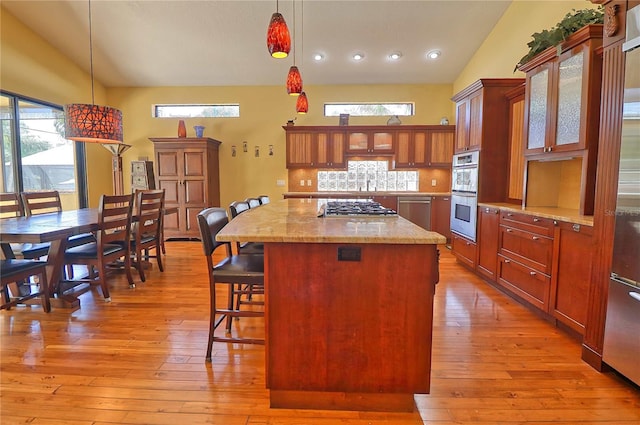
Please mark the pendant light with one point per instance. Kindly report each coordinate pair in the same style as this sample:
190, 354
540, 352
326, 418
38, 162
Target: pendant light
302, 104
278, 38
294, 79
90, 122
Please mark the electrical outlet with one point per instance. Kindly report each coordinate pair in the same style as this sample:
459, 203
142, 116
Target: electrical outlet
301, 182
280, 182
308, 182
433, 182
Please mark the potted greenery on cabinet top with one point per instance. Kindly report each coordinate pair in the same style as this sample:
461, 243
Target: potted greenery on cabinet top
571, 23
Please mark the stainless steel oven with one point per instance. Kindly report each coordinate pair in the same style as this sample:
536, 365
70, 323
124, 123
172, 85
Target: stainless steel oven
464, 194
464, 211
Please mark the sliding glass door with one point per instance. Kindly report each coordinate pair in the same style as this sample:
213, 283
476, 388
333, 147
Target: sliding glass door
35, 154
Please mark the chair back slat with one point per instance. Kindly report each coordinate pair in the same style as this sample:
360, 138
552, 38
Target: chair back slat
149, 207
114, 219
10, 205
41, 202
238, 207
210, 222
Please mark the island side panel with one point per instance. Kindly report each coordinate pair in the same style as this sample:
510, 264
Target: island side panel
349, 326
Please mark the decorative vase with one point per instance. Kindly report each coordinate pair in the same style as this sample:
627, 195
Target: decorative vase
199, 130
394, 120
182, 129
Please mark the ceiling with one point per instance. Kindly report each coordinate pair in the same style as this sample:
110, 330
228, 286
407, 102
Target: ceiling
147, 43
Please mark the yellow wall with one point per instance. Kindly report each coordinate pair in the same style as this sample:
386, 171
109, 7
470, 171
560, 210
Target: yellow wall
29, 66
507, 42
263, 112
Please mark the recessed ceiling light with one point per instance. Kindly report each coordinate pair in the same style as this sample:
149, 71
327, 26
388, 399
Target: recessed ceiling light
434, 54
395, 56
358, 56
318, 57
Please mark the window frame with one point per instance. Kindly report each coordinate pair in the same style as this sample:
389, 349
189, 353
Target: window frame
411, 105
156, 106
16, 147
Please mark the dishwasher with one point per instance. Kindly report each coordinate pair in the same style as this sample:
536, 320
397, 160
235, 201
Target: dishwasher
416, 209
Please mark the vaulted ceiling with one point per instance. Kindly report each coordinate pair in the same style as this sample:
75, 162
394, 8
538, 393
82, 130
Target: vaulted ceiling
223, 43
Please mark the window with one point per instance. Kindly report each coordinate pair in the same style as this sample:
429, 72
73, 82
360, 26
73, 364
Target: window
35, 154
368, 109
231, 110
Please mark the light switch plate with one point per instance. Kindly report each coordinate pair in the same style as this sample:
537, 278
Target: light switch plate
433, 182
280, 182
308, 182
301, 182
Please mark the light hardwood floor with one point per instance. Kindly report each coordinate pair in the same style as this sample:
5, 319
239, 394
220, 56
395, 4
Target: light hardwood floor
140, 360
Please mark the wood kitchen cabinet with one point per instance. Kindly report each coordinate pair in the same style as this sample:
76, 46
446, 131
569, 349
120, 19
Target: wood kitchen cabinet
571, 278
488, 237
562, 111
482, 124
188, 171
315, 148
441, 215
525, 251
370, 141
424, 147
464, 250
515, 188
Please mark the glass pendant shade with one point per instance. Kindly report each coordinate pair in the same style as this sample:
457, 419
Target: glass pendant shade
92, 123
294, 81
302, 104
278, 38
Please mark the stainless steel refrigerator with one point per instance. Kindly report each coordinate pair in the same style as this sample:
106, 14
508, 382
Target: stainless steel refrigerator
622, 330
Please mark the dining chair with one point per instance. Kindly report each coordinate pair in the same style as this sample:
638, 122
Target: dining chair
236, 208
264, 199
17, 270
112, 242
11, 206
243, 275
147, 233
253, 202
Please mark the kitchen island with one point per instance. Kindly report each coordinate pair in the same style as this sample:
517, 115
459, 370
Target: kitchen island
348, 306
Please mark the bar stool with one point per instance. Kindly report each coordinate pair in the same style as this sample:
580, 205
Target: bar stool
236, 208
244, 275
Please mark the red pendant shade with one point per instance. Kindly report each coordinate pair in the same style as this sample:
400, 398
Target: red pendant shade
278, 38
92, 123
302, 104
294, 81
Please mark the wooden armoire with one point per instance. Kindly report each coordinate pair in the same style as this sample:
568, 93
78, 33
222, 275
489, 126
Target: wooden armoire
188, 170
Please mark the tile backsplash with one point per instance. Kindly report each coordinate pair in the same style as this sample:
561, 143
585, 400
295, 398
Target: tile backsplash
368, 176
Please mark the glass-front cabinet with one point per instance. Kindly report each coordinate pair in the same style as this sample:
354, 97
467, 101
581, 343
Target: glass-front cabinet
370, 142
563, 94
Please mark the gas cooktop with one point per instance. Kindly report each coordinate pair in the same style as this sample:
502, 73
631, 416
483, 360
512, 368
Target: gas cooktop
337, 208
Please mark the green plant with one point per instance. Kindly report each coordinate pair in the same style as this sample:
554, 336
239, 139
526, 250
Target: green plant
571, 23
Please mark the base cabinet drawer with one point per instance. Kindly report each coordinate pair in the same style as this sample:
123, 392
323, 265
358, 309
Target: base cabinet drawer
525, 282
533, 250
464, 250
529, 223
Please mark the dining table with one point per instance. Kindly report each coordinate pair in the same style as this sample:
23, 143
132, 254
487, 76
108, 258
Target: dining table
54, 228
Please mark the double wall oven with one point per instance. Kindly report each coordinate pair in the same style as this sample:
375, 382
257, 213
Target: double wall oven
464, 194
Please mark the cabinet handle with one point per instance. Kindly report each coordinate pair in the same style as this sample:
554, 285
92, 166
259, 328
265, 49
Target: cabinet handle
468, 243
535, 238
509, 230
445, 199
536, 219
507, 261
532, 273
509, 215
576, 228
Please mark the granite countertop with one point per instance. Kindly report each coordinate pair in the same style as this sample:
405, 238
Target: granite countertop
296, 221
561, 214
363, 193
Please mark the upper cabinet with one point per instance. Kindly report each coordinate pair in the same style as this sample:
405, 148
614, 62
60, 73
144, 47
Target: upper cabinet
482, 124
431, 147
563, 95
368, 142
410, 146
315, 149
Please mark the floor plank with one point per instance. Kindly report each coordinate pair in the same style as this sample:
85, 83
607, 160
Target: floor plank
140, 360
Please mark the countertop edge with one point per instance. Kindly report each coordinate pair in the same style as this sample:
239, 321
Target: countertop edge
356, 194
561, 214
